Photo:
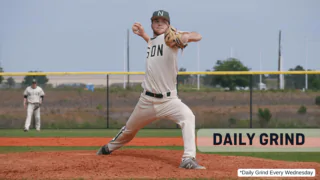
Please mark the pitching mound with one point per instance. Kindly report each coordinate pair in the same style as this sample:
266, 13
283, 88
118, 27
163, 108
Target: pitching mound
150, 164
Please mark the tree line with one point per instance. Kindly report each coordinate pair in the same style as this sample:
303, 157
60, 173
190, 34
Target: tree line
292, 81
27, 80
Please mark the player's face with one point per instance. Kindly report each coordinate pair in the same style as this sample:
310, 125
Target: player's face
159, 25
34, 85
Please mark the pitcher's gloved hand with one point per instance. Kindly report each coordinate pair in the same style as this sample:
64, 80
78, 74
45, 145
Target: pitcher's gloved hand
173, 38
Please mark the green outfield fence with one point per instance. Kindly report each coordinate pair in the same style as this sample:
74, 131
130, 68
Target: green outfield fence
110, 103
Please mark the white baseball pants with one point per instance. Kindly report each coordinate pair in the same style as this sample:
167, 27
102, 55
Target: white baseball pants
149, 109
30, 111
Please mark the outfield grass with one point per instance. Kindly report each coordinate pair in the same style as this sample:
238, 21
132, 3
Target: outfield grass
87, 133
287, 156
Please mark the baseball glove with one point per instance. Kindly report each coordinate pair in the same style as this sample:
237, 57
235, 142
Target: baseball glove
36, 106
172, 35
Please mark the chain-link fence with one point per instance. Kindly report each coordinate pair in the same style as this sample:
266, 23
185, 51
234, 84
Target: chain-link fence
106, 101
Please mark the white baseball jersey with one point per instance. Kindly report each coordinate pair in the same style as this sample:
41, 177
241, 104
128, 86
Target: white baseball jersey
161, 76
161, 66
33, 95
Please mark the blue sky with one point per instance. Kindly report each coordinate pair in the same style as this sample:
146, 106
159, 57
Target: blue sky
90, 35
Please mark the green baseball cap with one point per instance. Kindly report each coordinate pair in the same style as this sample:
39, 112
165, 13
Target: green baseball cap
161, 13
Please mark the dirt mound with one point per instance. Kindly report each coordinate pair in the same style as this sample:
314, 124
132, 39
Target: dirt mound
150, 164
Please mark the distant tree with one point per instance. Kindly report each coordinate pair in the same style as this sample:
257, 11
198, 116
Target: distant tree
296, 81
182, 78
11, 82
1, 78
40, 79
314, 81
230, 81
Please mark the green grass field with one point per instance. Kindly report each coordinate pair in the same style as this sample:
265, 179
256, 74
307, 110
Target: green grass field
287, 156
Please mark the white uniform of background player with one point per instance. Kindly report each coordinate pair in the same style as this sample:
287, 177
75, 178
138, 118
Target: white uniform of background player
159, 99
33, 95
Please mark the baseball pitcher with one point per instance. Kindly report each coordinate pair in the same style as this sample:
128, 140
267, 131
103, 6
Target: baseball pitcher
33, 98
159, 98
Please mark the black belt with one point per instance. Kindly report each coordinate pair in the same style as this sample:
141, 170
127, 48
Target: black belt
157, 95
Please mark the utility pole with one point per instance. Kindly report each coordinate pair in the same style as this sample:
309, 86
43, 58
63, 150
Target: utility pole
128, 56
306, 68
279, 59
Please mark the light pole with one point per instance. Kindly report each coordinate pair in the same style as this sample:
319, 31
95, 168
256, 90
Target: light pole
306, 68
124, 64
198, 77
260, 71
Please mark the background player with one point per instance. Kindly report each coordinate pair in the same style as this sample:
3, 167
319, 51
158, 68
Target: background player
159, 98
33, 98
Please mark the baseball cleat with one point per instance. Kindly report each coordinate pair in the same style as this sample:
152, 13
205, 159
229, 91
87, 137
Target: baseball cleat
25, 130
104, 150
190, 163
